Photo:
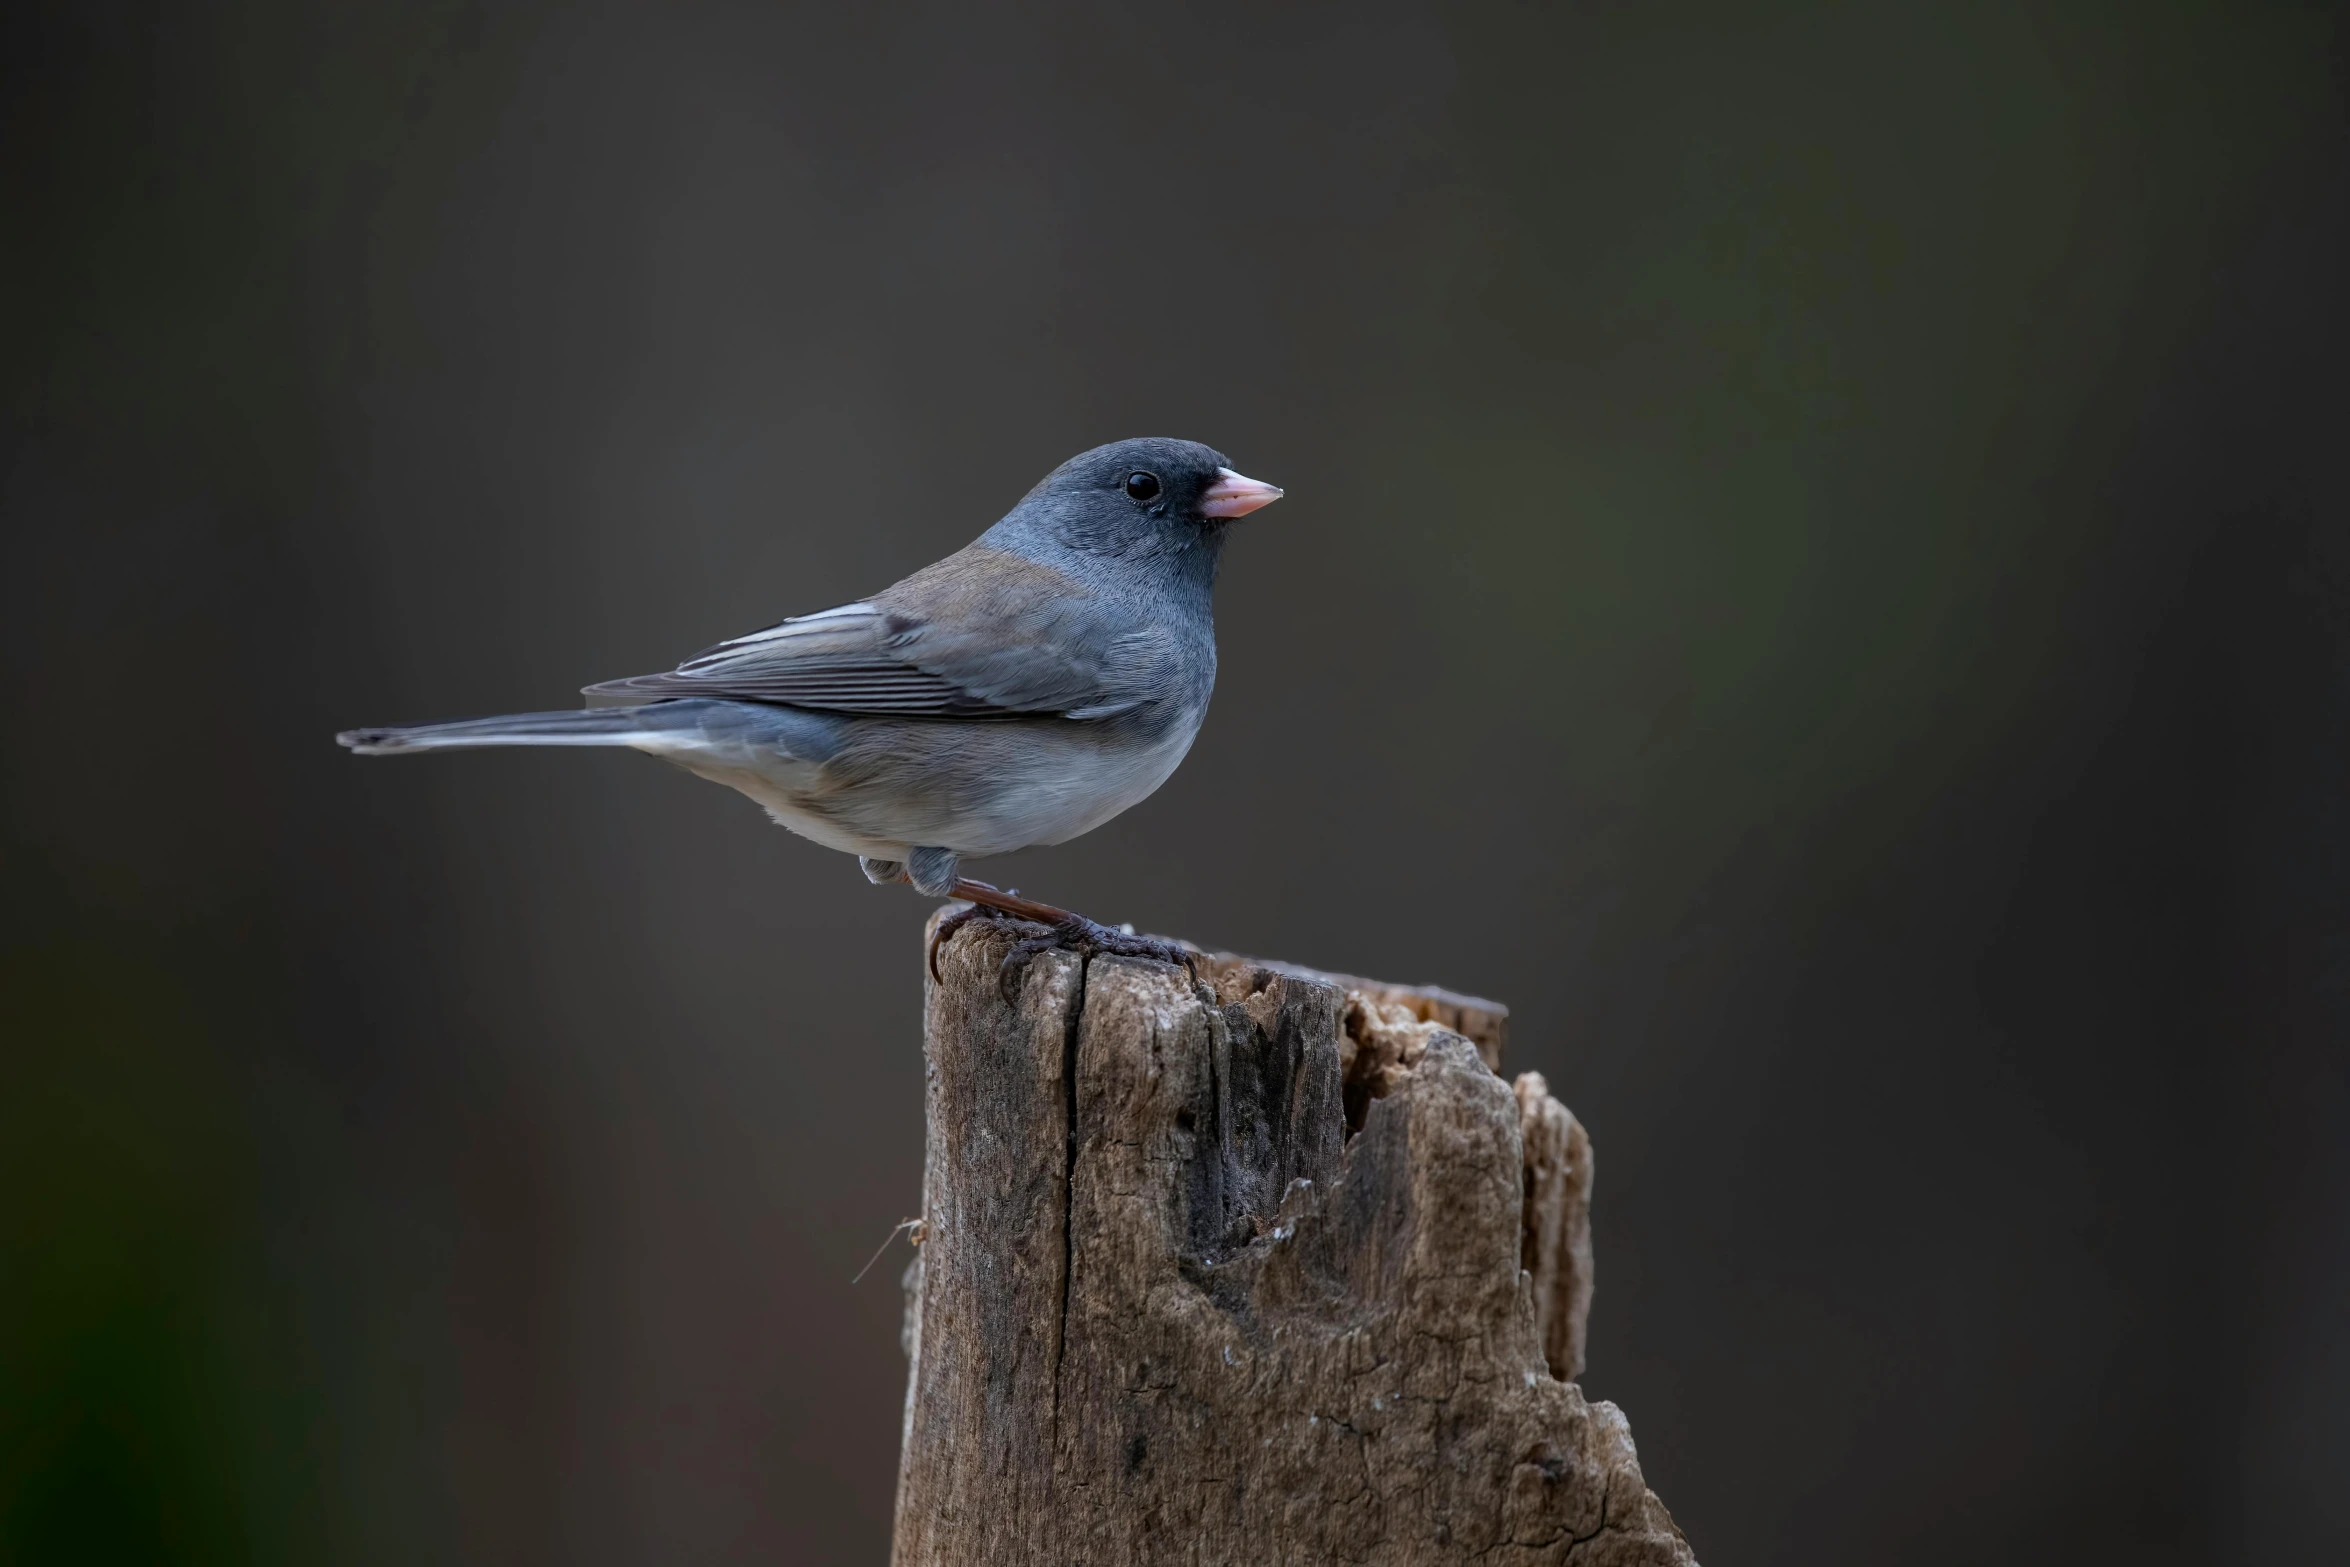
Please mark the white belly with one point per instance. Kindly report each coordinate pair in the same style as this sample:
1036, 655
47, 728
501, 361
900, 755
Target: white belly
977, 789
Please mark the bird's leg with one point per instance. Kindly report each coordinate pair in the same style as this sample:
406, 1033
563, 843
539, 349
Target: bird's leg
1062, 928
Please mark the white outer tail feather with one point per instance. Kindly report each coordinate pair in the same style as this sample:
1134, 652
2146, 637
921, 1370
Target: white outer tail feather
606, 727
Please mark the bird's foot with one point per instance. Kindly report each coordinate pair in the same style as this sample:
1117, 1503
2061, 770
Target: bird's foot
1090, 939
1075, 933
944, 931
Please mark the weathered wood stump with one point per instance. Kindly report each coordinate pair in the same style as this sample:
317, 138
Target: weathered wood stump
1271, 1268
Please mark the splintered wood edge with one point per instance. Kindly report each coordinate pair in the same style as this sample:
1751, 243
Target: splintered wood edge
1483, 1023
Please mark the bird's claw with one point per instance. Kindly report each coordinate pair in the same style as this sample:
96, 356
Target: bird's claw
948, 924
1090, 939
1086, 938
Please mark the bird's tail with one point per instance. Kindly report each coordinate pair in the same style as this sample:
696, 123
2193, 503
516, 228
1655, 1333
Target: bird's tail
635, 726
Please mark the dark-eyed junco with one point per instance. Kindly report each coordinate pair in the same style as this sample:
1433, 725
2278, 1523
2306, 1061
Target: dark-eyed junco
1024, 690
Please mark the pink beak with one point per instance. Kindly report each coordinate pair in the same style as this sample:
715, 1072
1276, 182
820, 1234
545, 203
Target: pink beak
1233, 496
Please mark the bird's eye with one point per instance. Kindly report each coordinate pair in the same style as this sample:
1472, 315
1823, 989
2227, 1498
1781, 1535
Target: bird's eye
1143, 486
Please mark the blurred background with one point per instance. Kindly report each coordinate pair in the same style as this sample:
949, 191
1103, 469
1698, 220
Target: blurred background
1816, 567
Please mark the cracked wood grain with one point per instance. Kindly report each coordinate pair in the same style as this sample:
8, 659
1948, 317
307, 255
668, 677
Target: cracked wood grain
1263, 1268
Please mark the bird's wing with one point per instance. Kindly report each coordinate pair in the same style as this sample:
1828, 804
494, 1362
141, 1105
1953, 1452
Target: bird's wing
982, 634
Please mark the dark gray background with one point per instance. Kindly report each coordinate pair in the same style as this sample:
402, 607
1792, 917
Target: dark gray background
1814, 568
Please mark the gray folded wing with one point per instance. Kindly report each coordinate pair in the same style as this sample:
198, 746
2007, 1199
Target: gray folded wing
838, 660
983, 635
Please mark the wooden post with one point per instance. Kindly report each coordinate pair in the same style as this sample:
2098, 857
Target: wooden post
1271, 1268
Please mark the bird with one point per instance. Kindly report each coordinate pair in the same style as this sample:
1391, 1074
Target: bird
1026, 689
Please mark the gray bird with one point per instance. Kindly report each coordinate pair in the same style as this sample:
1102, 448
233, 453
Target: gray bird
1020, 692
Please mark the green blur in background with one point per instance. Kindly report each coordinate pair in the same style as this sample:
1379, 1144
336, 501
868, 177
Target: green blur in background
132, 1396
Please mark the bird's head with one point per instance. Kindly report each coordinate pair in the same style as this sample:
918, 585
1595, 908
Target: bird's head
1141, 498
